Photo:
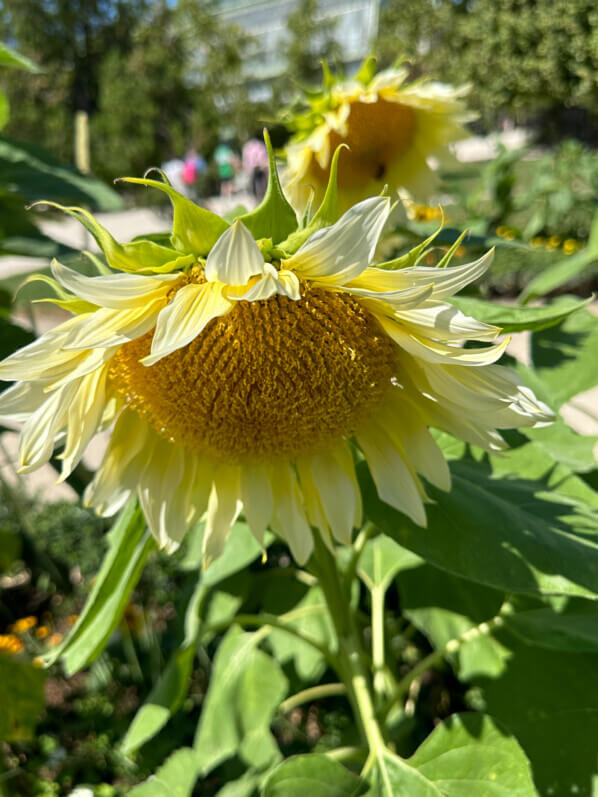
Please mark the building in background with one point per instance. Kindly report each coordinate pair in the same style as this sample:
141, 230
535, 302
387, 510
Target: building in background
356, 23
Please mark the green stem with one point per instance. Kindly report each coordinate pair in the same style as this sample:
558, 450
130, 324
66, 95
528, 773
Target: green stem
358, 546
272, 620
350, 664
452, 646
378, 654
313, 693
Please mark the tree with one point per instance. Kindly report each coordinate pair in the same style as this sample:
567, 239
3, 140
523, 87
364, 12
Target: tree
68, 41
310, 40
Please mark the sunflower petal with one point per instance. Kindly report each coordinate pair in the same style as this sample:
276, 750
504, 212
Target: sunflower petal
235, 258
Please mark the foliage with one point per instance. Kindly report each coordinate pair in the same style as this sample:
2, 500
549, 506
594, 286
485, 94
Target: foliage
542, 53
310, 40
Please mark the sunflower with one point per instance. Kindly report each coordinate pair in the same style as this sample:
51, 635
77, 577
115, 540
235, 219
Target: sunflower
242, 367
392, 129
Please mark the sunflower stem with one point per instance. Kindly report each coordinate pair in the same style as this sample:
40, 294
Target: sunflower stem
350, 656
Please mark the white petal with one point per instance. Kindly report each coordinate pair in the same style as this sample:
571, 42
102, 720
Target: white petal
164, 494
190, 311
334, 477
258, 501
112, 290
125, 457
445, 281
108, 327
337, 254
235, 257
20, 400
223, 509
408, 430
444, 322
40, 430
395, 483
450, 280
289, 520
403, 299
434, 352
84, 417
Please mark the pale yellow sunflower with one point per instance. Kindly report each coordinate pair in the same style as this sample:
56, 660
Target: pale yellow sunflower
242, 372
392, 128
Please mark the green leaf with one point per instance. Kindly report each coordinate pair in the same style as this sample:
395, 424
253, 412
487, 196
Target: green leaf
273, 218
518, 319
194, 230
129, 546
565, 270
443, 607
515, 535
167, 695
245, 786
310, 617
549, 700
10, 57
380, 561
565, 359
392, 776
573, 627
35, 173
468, 755
245, 690
4, 109
564, 445
21, 697
175, 778
314, 775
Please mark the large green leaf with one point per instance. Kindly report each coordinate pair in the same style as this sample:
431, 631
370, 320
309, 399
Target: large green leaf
573, 626
129, 546
517, 318
549, 700
35, 174
313, 775
565, 359
512, 534
468, 755
245, 690
21, 697
170, 689
444, 607
392, 776
175, 778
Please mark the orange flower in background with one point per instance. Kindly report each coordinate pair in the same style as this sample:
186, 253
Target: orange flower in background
9, 643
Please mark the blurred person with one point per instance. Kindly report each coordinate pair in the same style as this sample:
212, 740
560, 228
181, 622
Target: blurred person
255, 164
195, 165
226, 160
173, 169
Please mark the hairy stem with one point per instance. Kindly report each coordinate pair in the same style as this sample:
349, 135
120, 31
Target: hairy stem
350, 656
452, 646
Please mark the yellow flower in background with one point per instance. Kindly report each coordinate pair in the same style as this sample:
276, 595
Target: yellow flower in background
23, 625
11, 644
238, 365
391, 126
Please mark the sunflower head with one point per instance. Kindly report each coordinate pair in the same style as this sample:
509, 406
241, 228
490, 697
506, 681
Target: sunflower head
241, 365
391, 128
